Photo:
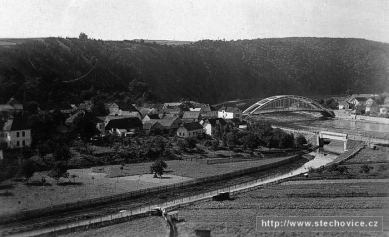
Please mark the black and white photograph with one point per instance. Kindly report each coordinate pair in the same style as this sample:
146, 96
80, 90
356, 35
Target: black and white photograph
194, 118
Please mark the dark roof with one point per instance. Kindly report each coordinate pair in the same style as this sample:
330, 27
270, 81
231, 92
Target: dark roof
15, 124
192, 126
153, 116
126, 106
84, 106
153, 106
123, 123
149, 124
70, 120
167, 122
16, 104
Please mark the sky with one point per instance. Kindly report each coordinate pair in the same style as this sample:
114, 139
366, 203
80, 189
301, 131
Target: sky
193, 20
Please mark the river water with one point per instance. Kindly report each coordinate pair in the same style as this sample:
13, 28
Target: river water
314, 122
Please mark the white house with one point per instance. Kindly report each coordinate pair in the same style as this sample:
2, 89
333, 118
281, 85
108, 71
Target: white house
372, 108
211, 125
230, 113
14, 133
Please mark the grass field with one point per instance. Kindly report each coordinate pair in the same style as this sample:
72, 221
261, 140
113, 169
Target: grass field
184, 168
238, 217
144, 227
17, 196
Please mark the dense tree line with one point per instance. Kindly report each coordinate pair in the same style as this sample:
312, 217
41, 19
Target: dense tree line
60, 70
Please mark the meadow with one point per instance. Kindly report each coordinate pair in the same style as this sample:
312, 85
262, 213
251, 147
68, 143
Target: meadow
16, 195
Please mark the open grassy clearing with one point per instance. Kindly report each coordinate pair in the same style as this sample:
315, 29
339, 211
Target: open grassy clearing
152, 226
239, 214
184, 168
17, 196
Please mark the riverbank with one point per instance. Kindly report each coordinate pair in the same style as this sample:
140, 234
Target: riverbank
346, 115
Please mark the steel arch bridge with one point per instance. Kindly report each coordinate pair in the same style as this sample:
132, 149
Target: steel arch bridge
287, 103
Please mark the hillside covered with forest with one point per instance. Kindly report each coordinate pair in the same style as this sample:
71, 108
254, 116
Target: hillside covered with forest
61, 70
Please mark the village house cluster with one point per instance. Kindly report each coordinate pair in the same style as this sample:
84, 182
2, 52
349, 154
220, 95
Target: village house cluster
368, 104
183, 119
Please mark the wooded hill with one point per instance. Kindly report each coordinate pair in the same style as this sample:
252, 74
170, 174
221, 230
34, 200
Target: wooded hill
69, 69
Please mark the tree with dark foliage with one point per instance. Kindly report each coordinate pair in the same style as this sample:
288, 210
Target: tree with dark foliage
158, 167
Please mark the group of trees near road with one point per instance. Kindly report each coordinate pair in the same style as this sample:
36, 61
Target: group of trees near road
60, 70
257, 134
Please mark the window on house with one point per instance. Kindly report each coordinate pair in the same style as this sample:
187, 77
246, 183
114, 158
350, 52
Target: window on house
23, 143
17, 143
23, 134
17, 134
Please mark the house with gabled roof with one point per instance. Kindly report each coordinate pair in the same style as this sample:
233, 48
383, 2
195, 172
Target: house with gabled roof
344, 105
128, 123
208, 111
191, 116
176, 110
123, 106
149, 117
230, 113
192, 129
152, 125
372, 108
147, 111
170, 123
15, 132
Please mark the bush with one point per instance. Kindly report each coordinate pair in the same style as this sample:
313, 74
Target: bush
238, 150
342, 169
208, 143
365, 169
382, 168
237, 156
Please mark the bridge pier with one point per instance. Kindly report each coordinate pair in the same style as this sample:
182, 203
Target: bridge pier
332, 135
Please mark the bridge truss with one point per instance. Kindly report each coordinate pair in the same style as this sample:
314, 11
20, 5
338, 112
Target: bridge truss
291, 103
